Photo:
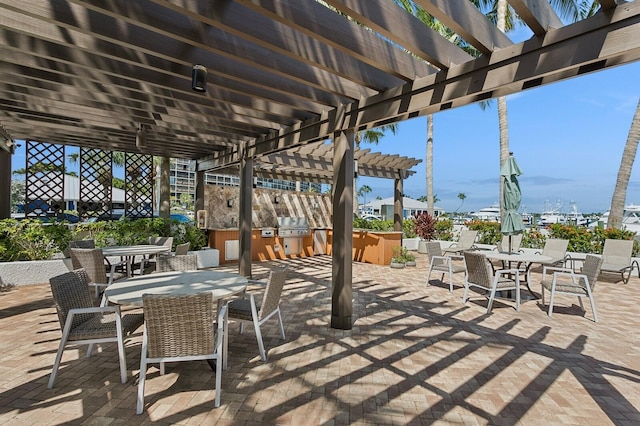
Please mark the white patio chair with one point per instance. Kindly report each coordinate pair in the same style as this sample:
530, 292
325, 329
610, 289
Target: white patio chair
180, 328
249, 310
466, 241
566, 281
444, 264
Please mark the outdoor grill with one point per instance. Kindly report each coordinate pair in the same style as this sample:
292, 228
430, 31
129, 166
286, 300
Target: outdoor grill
293, 227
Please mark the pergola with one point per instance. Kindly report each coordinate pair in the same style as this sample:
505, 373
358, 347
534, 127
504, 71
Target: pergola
281, 75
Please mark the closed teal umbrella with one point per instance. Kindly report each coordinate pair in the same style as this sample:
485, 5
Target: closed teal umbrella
512, 223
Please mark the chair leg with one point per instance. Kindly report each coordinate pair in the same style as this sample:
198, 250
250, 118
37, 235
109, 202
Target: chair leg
56, 364
517, 295
221, 356
281, 324
89, 350
551, 297
450, 280
263, 355
143, 373
466, 292
580, 302
428, 276
542, 296
491, 297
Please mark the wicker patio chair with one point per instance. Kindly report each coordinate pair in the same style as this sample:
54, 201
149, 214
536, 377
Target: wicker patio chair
182, 249
83, 323
479, 274
616, 255
440, 263
180, 328
148, 264
184, 262
466, 241
93, 262
247, 309
566, 281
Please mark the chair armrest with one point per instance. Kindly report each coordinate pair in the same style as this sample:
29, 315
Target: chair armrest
445, 258
262, 283
507, 271
574, 277
455, 256
95, 310
555, 269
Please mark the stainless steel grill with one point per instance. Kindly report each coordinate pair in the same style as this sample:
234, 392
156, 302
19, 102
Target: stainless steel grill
293, 227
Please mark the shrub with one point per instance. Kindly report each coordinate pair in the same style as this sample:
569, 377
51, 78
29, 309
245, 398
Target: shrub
30, 239
425, 226
409, 228
488, 232
444, 229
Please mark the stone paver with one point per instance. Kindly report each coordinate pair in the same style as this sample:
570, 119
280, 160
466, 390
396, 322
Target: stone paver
416, 355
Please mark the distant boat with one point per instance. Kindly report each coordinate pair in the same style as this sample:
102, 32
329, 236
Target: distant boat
550, 215
630, 218
491, 214
575, 217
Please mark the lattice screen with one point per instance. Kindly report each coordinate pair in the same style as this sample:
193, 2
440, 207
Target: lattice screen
44, 181
96, 177
138, 185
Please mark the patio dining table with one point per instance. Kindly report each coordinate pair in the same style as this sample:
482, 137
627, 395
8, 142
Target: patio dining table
526, 259
222, 285
130, 253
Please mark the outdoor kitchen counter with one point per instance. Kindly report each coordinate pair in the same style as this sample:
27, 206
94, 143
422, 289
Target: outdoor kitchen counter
368, 246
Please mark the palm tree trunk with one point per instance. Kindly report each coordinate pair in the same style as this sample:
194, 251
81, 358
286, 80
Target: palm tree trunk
165, 189
624, 173
503, 122
430, 202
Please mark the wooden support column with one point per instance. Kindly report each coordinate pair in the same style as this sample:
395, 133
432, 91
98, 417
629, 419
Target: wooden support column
245, 210
199, 201
397, 204
5, 184
341, 279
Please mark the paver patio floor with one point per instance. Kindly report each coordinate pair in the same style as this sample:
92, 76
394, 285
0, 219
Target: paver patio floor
416, 355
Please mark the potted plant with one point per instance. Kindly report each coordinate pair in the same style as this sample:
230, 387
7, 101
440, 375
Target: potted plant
425, 227
409, 259
397, 261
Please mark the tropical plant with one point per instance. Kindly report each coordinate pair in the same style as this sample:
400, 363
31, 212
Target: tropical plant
461, 196
444, 229
398, 255
363, 191
425, 226
624, 173
409, 228
488, 232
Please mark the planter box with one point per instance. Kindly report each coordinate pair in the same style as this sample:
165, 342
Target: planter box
411, 243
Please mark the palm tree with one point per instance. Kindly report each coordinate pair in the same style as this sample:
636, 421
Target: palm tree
626, 164
505, 20
461, 196
372, 136
363, 191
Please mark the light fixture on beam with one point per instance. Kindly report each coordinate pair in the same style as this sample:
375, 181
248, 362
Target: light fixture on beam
199, 78
141, 138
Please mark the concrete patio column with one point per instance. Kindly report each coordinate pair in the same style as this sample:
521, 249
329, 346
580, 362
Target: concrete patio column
245, 209
5, 184
397, 204
165, 188
341, 279
199, 201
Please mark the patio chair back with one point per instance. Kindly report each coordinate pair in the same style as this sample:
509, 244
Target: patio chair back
434, 252
478, 269
92, 261
185, 262
71, 291
516, 241
271, 297
591, 268
182, 249
161, 241
555, 248
617, 252
467, 239
86, 244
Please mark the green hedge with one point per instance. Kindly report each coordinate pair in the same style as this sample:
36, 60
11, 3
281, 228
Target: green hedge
33, 240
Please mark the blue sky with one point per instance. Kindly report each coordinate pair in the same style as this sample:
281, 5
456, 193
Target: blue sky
567, 137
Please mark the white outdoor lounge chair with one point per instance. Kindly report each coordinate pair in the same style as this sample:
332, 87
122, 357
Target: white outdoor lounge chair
616, 256
556, 249
466, 241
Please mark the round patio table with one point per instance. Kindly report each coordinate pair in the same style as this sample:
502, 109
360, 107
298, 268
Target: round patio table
129, 291
130, 253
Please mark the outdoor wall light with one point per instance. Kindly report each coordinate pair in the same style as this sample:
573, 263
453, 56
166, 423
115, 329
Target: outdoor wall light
230, 202
199, 78
276, 199
141, 137
355, 168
